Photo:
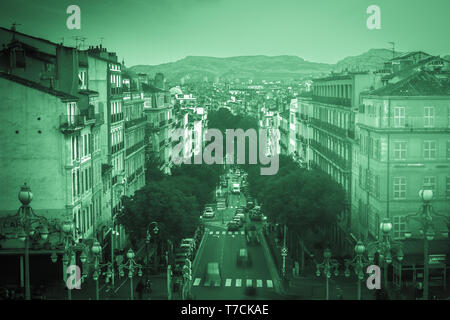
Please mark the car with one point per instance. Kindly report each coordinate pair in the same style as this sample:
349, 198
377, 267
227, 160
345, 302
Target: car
233, 226
187, 247
236, 188
238, 221
209, 212
243, 258
240, 216
190, 241
213, 273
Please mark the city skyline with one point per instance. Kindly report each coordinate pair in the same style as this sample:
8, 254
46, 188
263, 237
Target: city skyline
169, 30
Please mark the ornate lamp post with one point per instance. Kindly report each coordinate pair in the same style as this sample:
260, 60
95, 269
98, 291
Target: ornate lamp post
385, 247
97, 251
131, 266
328, 266
30, 227
69, 255
425, 217
358, 263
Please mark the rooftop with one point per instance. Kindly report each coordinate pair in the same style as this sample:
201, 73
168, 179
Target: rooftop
420, 83
62, 95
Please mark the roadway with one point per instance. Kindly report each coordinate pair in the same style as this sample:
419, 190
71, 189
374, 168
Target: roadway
222, 246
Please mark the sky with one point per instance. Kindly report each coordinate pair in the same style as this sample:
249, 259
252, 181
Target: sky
160, 31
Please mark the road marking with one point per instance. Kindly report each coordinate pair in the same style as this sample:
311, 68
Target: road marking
238, 282
228, 283
196, 282
207, 284
217, 232
211, 232
230, 232
269, 284
242, 232
217, 284
224, 232
259, 283
249, 282
236, 232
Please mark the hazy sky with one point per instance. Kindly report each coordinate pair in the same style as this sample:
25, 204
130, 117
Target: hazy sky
159, 31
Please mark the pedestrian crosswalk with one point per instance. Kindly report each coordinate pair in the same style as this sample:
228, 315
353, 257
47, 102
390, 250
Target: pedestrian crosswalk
227, 233
237, 283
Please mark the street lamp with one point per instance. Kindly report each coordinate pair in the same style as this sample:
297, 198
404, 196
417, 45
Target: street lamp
131, 266
385, 247
329, 266
97, 252
425, 216
69, 254
358, 263
30, 227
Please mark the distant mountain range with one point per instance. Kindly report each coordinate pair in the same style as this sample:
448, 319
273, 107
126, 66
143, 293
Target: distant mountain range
195, 68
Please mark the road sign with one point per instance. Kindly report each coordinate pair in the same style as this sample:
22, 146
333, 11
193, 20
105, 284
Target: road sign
284, 251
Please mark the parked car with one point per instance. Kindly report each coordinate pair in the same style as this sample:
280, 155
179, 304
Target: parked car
209, 212
190, 241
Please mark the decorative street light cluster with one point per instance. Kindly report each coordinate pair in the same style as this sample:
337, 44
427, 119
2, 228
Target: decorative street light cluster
97, 251
386, 247
69, 254
30, 227
329, 266
131, 265
357, 263
425, 217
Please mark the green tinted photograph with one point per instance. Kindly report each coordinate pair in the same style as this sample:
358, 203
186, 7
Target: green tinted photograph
221, 151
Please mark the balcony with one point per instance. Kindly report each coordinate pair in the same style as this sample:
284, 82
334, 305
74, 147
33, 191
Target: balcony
301, 138
330, 155
134, 122
333, 100
134, 148
116, 91
71, 123
131, 177
330, 127
118, 147
116, 117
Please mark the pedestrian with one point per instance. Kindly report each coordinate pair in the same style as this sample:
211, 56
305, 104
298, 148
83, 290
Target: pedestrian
140, 289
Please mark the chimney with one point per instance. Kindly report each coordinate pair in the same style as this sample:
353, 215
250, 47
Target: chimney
67, 70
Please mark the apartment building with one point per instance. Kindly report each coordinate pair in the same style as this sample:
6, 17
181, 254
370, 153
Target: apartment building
135, 121
404, 146
158, 111
334, 101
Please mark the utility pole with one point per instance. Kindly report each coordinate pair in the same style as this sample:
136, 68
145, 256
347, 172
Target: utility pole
393, 49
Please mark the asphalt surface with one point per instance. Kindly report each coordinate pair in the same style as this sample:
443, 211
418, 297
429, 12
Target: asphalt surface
222, 246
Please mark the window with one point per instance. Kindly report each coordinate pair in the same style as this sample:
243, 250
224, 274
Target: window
448, 150
377, 186
428, 117
373, 221
399, 150
399, 227
430, 183
399, 117
429, 150
399, 188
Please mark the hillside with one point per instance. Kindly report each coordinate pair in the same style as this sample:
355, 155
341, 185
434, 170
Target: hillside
259, 67
370, 60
